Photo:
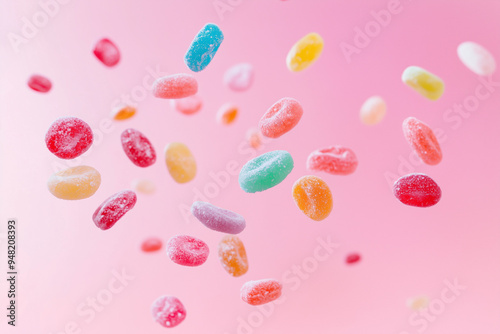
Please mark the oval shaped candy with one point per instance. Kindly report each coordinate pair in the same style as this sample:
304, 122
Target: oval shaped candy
138, 148
227, 114
336, 160
188, 105
123, 112
313, 197
239, 77
74, 183
144, 186
476, 58
283, 116
107, 52
187, 251
265, 171
261, 292
425, 83
233, 256
39, 83
151, 245
352, 258
114, 208
254, 138
373, 110
180, 162
203, 48
168, 311
69, 137
422, 140
176, 86
305, 52
218, 219
417, 190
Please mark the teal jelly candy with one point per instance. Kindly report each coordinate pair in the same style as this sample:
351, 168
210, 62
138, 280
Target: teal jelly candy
265, 171
203, 48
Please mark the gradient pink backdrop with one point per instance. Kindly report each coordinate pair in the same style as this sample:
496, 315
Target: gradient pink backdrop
64, 258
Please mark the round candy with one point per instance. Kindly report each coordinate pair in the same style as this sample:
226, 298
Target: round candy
418, 303
265, 171
138, 148
233, 256
373, 110
168, 311
175, 86
187, 251
423, 82
107, 52
144, 186
203, 48
39, 83
180, 162
352, 258
313, 197
305, 52
239, 77
218, 219
113, 208
423, 141
227, 114
151, 245
69, 137
476, 58
254, 138
336, 160
283, 116
261, 292
417, 190
188, 105
74, 183
123, 112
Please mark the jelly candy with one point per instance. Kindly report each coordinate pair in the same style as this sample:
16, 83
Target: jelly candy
75, 183
423, 141
283, 116
138, 148
107, 52
203, 48
168, 311
180, 162
113, 208
313, 197
218, 219
69, 137
336, 160
176, 86
187, 251
305, 52
424, 82
417, 190
233, 256
261, 292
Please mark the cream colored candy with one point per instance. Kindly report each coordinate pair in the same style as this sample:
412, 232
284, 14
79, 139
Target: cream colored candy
476, 58
180, 162
418, 303
144, 186
424, 82
373, 110
305, 52
74, 183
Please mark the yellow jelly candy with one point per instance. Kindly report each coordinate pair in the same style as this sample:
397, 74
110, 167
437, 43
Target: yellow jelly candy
313, 197
180, 162
123, 112
424, 82
74, 183
305, 52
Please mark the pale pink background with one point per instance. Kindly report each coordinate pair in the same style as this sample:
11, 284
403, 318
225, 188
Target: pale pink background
64, 258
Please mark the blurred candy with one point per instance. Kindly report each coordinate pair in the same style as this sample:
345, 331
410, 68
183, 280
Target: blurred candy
113, 208
424, 82
188, 105
352, 258
168, 311
254, 138
336, 160
305, 52
69, 137
227, 114
233, 256
218, 219
476, 58
180, 162
313, 197
144, 186
417, 190
123, 112
151, 245
138, 148
265, 171
107, 52
74, 183
418, 303
281, 118
422, 140
187, 251
239, 77
175, 86
203, 48
261, 292
39, 83
373, 110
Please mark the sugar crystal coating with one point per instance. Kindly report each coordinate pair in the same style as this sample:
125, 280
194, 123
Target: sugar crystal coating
283, 116
261, 291
187, 251
417, 190
336, 160
422, 140
305, 52
107, 52
114, 208
176, 86
180, 162
313, 197
168, 311
233, 256
138, 148
69, 137
203, 48
74, 183
218, 219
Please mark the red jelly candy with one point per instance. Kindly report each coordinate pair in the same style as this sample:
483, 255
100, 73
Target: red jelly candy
261, 292
107, 52
187, 251
168, 311
69, 137
423, 141
352, 258
151, 245
39, 83
112, 209
138, 148
336, 160
417, 190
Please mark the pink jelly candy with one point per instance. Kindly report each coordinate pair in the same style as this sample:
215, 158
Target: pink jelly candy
39, 83
188, 105
168, 311
352, 258
138, 148
218, 219
187, 251
107, 52
336, 160
151, 245
239, 77
69, 137
261, 292
417, 190
112, 209
280, 118
423, 141
175, 86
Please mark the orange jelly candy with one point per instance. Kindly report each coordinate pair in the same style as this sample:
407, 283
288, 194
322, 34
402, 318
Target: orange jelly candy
233, 256
180, 162
74, 183
313, 197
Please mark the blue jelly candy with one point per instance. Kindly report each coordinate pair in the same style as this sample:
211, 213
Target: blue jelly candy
203, 48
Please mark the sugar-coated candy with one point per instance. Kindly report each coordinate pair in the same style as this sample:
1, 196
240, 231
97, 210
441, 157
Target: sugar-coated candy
151, 245
218, 219
265, 171
313, 197
336, 160
417, 190
424, 82
373, 110
423, 141
69, 137
74, 183
168, 311
107, 52
138, 148
175, 86
261, 292
203, 48
418, 303
305, 52
352, 258
187, 251
283, 116
239, 77
39, 83
123, 112
233, 256
476, 58
144, 186
227, 113
254, 138
188, 105
114, 208
180, 162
